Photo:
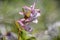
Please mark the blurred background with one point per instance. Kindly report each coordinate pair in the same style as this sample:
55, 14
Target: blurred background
49, 21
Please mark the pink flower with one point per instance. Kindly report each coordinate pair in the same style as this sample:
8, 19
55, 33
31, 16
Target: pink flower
33, 16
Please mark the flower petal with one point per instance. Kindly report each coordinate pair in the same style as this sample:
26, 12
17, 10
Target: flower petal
26, 7
35, 21
21, 13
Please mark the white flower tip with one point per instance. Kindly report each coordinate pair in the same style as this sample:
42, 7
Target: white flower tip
33, 6
35, 21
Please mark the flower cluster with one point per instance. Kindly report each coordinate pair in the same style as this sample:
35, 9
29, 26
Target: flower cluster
30, 15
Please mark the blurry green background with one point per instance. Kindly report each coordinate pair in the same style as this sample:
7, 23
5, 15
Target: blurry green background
9, 9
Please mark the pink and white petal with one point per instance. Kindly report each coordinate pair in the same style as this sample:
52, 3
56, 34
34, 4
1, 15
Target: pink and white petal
26, 7
21, 13
37, 9
38, 14
20, 22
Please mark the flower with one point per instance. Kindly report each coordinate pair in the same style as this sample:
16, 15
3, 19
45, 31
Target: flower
30, 15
